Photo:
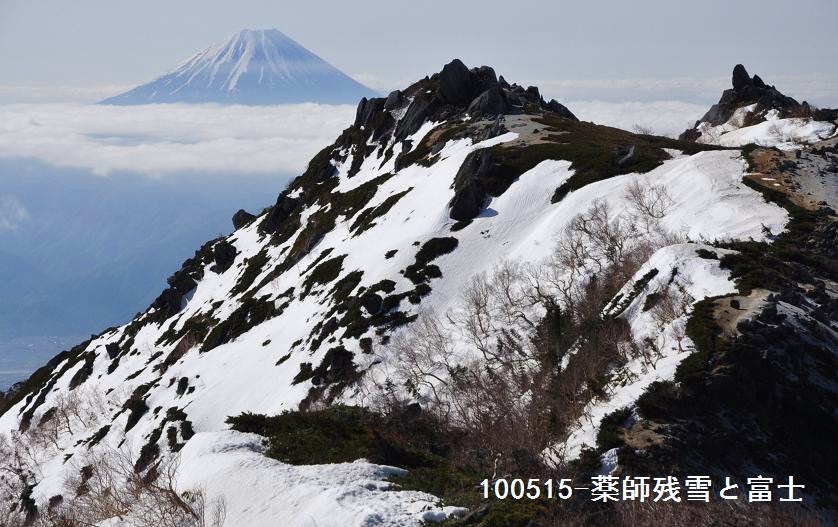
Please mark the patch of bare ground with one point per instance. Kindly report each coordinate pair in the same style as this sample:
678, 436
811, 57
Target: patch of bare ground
806, 176
731, 310
528, 129
643, 434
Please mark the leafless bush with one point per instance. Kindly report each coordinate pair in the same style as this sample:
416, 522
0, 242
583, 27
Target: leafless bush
671, 305
107, 486
600, 238
529, 345
69, 413
649, 204
642, 130
20, 467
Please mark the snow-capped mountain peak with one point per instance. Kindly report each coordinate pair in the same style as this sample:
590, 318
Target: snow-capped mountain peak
250, 67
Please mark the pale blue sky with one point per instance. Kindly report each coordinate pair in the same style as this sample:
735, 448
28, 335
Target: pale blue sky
387, 43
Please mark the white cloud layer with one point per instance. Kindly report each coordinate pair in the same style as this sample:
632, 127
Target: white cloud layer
39, 93
171, 138
668, 118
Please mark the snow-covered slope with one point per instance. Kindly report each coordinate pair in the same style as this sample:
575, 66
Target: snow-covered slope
250, 67
787, 134
754, 113
462, 170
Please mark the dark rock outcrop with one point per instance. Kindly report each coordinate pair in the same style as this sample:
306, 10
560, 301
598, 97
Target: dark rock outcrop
741, 79
560, 109
112, 349
394, 100
284, 207
468, 201
367, 108
224, 254
746, 90
372, 303
168, 303
490, 102
419, 111
456, 84
182, 281
242, 218
471, 193
372, 117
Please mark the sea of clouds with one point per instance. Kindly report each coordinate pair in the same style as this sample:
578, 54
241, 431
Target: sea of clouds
668, 118
163, 139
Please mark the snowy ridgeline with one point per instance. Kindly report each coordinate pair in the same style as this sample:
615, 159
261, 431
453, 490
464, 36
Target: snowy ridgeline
255, 373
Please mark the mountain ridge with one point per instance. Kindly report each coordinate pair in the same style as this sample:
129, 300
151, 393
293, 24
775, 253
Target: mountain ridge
460, 176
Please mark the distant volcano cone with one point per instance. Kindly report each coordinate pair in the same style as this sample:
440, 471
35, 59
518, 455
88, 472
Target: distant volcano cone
250, 67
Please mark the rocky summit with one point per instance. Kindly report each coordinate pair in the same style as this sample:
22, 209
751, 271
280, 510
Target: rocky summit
757, 99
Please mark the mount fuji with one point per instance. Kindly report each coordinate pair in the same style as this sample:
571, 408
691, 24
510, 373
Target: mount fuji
253, 67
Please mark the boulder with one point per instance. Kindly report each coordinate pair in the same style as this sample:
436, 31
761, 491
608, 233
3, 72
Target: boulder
456, 84
490, 102
367, 108
470, 190
516, 95
224, 254
394, 100
560, 109
182, 385
284, 207
372, 303
741, 79
112, 349
372, 117
242, 218
468, 201
486, 77
168, 303
181, 281
416, 115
